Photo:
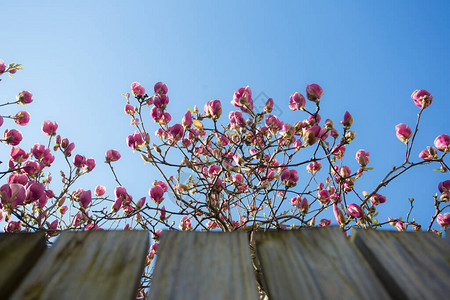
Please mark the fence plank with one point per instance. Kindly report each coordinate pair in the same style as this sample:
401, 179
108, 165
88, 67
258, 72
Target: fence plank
203, 265
412, 265
317, 263
18, 254
88, 265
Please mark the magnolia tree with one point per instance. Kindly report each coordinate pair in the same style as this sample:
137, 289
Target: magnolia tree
239, 173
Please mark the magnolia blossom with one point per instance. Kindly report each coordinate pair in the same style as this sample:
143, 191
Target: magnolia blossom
18, 155
363, 158
338, 151
273, 123
161, 101
354, 210
2, 66
422, 98
377, 199
112, 155
289, 178
429, 153
156, 193
85, 198
12, 226
324, 222
213, 109
49, 128
348, 120
311, 135
268, 107
12, 137
185, 224
100, 190
442, 143
24, 97
34, 191
397, 224
176, 132
79, 161
137, 89
32, 167
339, 215
323, 196
160, 88
314, 167
135, 140
13, 194
444, 220
403, 132
297, 101
22, 118
314, 92
187, 120
130, 109
242, 98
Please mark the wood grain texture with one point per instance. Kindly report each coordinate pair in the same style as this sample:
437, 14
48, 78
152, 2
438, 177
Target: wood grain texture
203, 265
318, 263
412, 265
88, 265
18, 254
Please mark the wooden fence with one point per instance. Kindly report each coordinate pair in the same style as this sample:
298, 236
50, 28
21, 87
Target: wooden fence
318, 263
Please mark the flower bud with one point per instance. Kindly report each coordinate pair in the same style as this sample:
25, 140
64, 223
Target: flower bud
422, 98
403, 132
314, 92
442, 143
268, 107
297, 102
348, 120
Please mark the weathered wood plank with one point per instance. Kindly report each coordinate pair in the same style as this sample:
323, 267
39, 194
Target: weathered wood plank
88, 265
18, 254
318, 263
203, 265
411, 265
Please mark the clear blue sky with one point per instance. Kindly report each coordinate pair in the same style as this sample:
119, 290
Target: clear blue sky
369, 56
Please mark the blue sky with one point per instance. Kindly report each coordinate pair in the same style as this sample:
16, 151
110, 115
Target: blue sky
369, 56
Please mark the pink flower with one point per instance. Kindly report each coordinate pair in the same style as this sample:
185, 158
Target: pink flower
338, 151
363, 158
269, 106
339, 215
100, 190
162, 213
68, 150
314, 92
429, 153
176, 132
17, 178
34, 191
297, 101
311, 135
187, 120
354, 210
444, 186
89, 165
49, 128
236, 119
1, 121
13, 194
12, 226
18, 155
444, 220
135, 140
63, 210
442, 143
273, 123
161, 101
242, 98
156, 194
137, 89
22, 118
289, 178
12, 137
348, 120
324, 222
314, 167
422, 98
2, 66
32, 167
24, 97
85, 198
112, 155
377, 199
213, 109
53, 225
323, 196
185, 224
39, 151
403, 132
79, 161
397, 223
130, 109
140, 203
160, 88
